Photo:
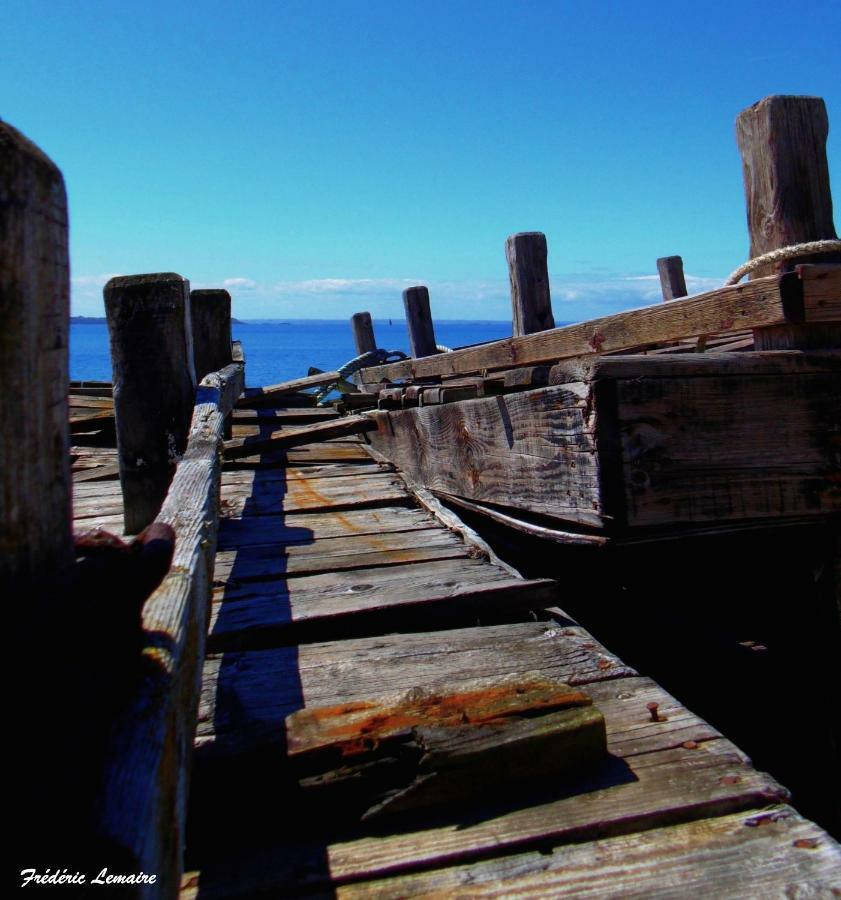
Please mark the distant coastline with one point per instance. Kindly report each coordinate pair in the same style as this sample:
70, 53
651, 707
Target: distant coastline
100, 320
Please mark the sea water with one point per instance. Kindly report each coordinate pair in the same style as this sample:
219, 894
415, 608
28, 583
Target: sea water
280, 350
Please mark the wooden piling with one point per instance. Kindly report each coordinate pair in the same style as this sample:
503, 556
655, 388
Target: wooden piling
35, 509
363, 332
210, 315
154, 385
782, 140
419, 322
672, 281
531, 302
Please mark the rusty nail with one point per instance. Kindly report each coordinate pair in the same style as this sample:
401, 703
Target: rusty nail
652, 709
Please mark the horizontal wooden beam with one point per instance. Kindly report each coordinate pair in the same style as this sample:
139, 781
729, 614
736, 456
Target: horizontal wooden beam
792, 298
627, 443
296, 437
145, 783
257, 396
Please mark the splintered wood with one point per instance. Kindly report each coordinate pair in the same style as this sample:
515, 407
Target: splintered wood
424, 748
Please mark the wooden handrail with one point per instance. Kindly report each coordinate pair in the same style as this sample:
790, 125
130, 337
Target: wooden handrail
144, 796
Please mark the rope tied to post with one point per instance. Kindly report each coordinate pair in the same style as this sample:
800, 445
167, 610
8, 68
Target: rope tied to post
781, 254
377, 357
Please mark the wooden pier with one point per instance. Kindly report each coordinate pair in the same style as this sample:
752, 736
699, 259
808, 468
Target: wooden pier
309, 676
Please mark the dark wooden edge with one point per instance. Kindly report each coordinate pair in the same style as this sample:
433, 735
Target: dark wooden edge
143, 803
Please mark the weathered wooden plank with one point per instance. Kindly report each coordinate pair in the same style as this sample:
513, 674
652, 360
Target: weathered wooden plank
35, 516
96, 473
88, 420
350, 470
145, 783
273, 497
259, 396
246, 695
531, 303
304, 526
773, 853
295, 437
645, 441
535, 450
306, 455
337, 554
154, 385
670, 771
776, 300
76, 402
701, 449
403, 597
397, 754
282, 415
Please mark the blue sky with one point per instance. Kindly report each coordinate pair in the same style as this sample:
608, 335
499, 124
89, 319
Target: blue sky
317, 157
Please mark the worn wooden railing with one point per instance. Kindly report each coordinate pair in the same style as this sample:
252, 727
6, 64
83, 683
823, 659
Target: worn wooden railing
144, 797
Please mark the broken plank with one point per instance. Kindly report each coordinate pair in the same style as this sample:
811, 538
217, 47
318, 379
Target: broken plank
683, 771
96, 473
398, 754
771, 853
775, 300
293, 437
262, 394
246, 695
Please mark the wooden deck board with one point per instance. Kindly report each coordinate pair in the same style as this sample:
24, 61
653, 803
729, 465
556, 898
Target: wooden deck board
676, 770
776, 853
246, 695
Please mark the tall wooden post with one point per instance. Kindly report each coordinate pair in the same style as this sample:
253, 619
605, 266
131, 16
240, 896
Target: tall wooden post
35, 509
782, 141
363, 332
210, 315
528, 272
154, 385
672, 281
419, 322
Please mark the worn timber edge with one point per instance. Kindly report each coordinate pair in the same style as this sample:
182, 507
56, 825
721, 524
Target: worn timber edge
791, 298
143, 802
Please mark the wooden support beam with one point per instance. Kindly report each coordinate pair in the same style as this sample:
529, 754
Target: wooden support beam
154, 385
782, 141
363, 333
776, 300
531, 302
210, 315
296, 437
419, 322
616, 446
672, 282
35, 512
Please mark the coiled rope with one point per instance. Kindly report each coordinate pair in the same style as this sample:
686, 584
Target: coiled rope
376, 357
790, 252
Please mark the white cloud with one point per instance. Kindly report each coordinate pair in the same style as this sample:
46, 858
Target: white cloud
576, 296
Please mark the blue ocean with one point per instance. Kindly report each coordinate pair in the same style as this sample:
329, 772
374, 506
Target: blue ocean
276, 351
